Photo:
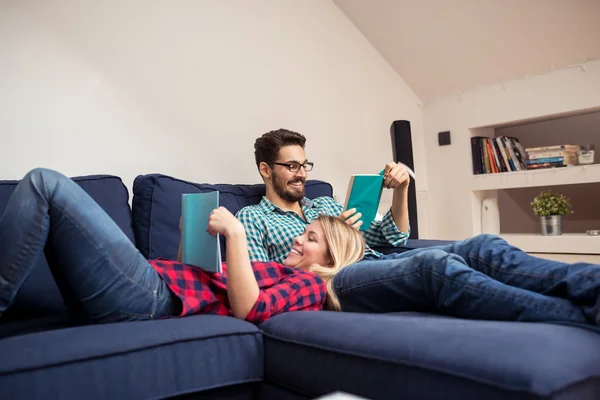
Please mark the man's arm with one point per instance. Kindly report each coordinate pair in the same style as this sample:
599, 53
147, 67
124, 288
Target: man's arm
255, 235
394, 229
399, 208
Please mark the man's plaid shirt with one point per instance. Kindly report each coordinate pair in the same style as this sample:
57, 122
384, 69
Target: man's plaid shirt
282, 289
271, 231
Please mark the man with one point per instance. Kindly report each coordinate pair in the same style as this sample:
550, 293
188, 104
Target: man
284, 212
452, 279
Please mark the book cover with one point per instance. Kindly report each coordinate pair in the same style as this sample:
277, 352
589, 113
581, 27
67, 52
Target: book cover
488, 142
545, 154
513, 155
519, 151
499, 155
475, 155
545, 166
497, 166
364, 194
546, 160
486, 157
503, 154
482, 155
198, 247
508, 154
567, 147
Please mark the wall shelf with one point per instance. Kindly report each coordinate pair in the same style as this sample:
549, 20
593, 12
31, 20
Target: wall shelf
535, 178
567, 243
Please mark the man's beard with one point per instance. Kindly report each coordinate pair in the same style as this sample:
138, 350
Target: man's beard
283, 189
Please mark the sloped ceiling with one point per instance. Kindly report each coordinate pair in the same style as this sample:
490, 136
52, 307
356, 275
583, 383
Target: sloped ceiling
446, 46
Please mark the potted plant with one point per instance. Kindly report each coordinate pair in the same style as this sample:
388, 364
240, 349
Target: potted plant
550, 207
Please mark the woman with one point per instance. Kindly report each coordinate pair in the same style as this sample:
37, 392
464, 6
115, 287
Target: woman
104, 278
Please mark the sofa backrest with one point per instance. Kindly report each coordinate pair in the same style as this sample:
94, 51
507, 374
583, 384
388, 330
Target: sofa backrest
39, 294
157, 208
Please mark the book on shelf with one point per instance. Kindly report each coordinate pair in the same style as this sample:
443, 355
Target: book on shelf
568, 157
509, 157
546, 160
495, 155
499, 156
546, 165
552, 156
476, 155
560, 147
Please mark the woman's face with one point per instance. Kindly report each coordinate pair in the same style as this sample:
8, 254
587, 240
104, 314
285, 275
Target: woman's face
309, 248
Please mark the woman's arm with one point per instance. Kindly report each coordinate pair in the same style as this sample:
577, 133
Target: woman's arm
294, 290
242, 288
241, 283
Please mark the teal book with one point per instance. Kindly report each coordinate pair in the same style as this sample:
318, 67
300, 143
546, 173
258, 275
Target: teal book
198, 247
364, 194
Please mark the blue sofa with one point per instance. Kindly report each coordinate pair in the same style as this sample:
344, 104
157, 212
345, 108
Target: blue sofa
299, 355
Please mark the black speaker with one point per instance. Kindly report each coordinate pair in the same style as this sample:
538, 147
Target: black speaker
402, 151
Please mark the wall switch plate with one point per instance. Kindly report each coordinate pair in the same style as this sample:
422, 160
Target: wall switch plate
444, 138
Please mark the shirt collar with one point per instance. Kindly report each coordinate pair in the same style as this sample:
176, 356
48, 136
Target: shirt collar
269, 207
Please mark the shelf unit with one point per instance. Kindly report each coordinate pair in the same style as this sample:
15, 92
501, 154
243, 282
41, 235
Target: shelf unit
550, 130
568, 243
545, 177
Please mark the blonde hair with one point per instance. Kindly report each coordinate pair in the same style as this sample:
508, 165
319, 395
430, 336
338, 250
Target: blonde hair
346, 246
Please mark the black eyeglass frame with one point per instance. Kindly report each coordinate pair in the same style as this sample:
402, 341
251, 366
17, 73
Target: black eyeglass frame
308, 166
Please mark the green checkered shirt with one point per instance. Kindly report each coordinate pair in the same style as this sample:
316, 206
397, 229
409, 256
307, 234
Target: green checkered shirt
271, 231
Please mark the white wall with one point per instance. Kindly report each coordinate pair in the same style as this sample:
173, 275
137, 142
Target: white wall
184, 87
449, 167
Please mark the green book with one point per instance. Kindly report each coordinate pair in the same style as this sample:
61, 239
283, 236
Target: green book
198, 247
364, 194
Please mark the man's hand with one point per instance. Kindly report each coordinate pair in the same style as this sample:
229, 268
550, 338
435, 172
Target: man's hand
395, 176
223, 222
351, 218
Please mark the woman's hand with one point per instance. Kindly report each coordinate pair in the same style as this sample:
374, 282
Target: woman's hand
223, 222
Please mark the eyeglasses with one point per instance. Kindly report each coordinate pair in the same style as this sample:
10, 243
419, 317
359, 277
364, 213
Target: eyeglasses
295, 167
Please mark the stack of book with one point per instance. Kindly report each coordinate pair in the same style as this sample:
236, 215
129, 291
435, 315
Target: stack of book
494, 155
552, 156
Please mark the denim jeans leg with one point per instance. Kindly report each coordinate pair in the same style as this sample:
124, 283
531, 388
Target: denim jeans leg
492, 255
99, 271
437, 281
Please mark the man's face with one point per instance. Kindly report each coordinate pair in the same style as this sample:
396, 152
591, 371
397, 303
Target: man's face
289, 185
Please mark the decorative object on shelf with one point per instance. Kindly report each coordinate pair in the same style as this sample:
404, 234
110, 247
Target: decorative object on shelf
490, 216
585, 155
550, 207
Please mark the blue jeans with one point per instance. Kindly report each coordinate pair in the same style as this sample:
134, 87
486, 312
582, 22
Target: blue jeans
101, 275
479, 278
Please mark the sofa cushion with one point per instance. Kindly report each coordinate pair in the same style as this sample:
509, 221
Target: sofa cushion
157, 208
39, 294
129, 360
410, 356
